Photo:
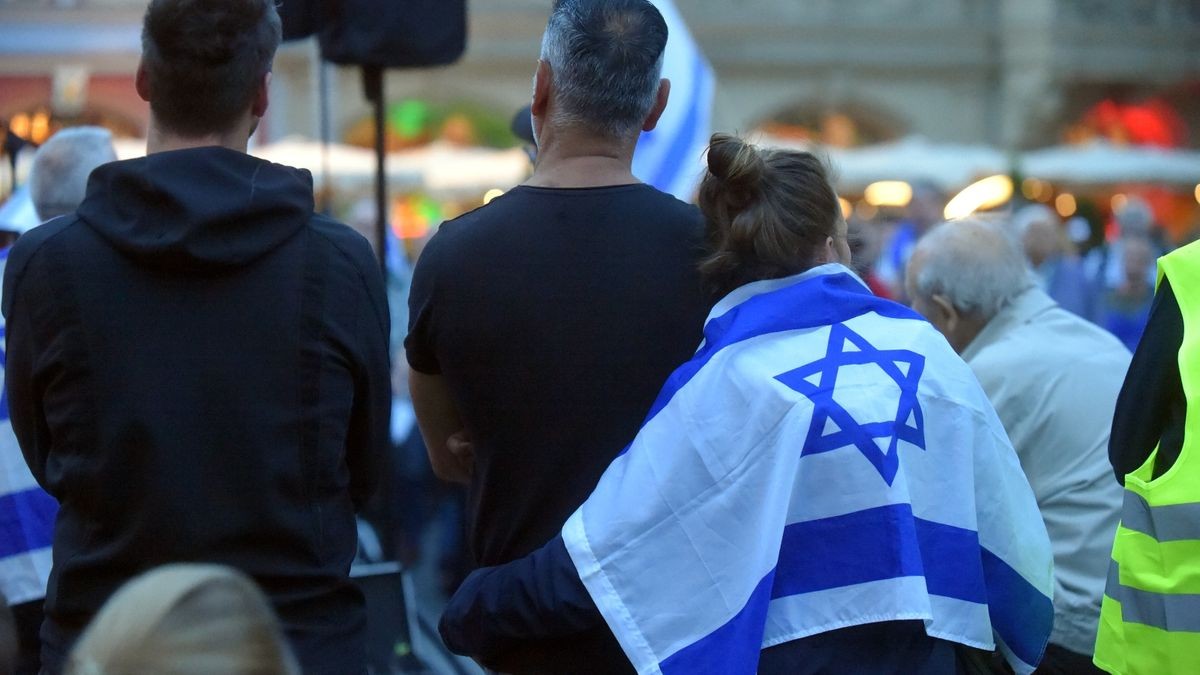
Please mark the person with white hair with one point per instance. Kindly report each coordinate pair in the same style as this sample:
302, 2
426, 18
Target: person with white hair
1054, 259
58, 179
1053, 379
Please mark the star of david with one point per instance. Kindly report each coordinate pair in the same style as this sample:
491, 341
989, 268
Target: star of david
833, 427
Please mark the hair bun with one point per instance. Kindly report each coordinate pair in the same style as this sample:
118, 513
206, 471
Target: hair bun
737, 164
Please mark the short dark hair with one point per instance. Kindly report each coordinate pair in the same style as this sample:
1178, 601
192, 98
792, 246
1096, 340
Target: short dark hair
767, 212
606, 60
205, 58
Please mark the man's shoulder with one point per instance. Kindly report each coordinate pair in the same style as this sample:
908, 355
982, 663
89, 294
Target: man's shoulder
1053, 344
343, 240
638, 202
26, 250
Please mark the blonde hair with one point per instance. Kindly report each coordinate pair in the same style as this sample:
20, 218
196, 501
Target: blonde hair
184, 619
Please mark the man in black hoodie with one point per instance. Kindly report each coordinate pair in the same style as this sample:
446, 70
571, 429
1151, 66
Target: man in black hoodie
197, 363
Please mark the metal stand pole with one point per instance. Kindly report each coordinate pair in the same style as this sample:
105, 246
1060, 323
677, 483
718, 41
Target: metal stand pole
373, 86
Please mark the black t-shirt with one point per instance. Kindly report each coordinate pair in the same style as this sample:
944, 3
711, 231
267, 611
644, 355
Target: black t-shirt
555, 315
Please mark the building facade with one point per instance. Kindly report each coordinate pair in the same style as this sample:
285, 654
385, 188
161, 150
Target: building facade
1011, 73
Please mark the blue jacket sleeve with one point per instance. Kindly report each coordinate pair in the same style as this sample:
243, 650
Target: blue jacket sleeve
538, 596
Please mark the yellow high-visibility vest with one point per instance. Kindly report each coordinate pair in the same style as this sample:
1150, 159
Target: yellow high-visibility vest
1150, 615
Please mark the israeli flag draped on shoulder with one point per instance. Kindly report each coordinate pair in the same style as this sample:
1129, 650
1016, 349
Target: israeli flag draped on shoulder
825, 460
27, 513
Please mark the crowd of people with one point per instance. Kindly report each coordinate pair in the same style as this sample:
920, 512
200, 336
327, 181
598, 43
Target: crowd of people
693, 439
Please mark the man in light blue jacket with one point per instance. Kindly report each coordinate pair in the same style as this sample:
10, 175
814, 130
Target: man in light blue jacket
1053, 379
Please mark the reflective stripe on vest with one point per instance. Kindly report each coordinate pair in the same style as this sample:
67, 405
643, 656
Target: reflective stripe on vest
1167, 611
1173, 522
1150, 615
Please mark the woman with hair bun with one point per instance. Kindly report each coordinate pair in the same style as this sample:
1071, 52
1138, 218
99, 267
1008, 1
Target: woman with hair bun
822, 488
185, 619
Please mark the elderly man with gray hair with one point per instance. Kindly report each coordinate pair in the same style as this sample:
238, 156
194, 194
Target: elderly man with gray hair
58, 179
1053, 379
545, 322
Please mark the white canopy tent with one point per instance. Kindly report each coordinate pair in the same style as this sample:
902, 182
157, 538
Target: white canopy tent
913, 159
349, 166
1101, 163
440, 169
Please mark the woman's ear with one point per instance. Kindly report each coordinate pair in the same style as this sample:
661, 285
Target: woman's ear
827, 253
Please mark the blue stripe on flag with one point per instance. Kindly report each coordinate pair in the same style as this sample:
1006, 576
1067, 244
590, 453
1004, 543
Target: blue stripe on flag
26, 521
876, 544
826, 300
1021, 614
870, 545
676, 158
962, 575
731, 649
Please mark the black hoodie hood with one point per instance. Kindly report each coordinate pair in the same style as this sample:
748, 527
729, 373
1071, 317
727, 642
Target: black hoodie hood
198, 208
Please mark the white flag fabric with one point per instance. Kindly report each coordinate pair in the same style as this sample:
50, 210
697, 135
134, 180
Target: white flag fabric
825, 460
671, 157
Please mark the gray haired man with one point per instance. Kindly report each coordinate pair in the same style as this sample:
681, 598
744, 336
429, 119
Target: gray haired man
544, 323
58, 180
1053, 379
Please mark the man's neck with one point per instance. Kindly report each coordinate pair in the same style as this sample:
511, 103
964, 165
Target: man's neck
160, 140
575, 160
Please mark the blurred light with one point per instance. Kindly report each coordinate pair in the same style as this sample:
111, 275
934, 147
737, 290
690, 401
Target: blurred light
865, 211
19, 125
847, 209
888, 193
983, 194
39, 128
1031, 187
1036, 190
1065, 204
1119, 201
491, 194
1198, 193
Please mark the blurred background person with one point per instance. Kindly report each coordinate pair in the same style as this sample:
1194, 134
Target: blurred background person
1125, 308
864, 254
923, 211
1053, 378
58, 181
1105, 264
1052, 255
185, 619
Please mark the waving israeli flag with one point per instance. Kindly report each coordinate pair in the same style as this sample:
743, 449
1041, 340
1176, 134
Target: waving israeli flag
671, 158
825, 460
27, 513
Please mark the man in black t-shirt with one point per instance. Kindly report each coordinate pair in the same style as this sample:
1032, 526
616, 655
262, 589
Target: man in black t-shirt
544, 323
